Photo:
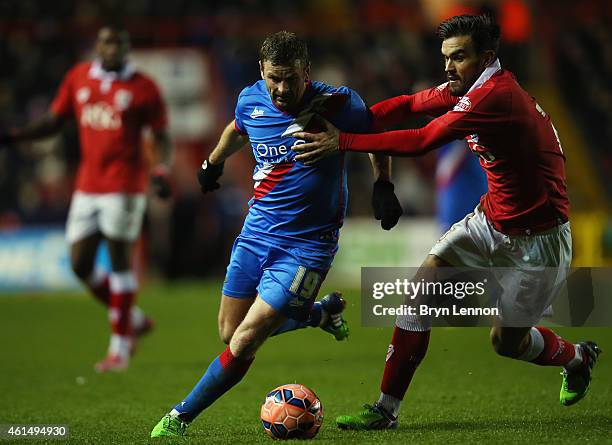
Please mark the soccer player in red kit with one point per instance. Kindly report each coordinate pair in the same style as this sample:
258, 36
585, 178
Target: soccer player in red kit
112, 103
520, 224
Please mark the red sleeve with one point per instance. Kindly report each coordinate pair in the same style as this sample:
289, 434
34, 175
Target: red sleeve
401, 142
156, 114
239, 129
433, 102
62, 104
472, 114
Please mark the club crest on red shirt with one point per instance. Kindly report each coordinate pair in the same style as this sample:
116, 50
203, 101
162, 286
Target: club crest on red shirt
464, 104
123, 98
83, 94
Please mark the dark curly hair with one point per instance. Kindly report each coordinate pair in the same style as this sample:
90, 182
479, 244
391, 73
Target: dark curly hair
482, 28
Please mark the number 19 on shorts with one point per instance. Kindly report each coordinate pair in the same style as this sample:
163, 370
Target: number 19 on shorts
306, 283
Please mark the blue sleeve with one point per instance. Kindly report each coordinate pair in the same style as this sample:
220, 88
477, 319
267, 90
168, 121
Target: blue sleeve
355, 116
238, 113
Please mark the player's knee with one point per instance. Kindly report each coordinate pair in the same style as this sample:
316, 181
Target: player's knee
244, 347
226, 332
82, 268
225, 337
227, 326
246, 342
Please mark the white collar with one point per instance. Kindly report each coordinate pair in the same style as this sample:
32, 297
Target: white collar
96, 71
488, 72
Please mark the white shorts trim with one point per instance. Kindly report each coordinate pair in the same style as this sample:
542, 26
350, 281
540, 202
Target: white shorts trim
116, 216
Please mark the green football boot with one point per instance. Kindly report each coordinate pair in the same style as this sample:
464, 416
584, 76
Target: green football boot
169, 426
334, 305
375, 417
576, 381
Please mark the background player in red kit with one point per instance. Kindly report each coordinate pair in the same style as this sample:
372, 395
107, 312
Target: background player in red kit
112, 104
521, 223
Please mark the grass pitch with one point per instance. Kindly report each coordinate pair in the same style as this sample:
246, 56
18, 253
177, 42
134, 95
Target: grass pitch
462, 393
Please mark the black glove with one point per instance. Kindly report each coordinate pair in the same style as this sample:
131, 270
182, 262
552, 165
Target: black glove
160, 183
386, 206
208, 176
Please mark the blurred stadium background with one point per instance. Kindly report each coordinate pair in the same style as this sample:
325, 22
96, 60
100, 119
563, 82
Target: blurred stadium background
203, 53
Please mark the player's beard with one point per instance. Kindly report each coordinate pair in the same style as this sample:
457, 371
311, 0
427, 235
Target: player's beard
463, 84
457, 88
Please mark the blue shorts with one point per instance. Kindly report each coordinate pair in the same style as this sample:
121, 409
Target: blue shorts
287, 278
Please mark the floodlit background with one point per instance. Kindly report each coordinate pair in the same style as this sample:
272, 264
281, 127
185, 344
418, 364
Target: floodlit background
203, 53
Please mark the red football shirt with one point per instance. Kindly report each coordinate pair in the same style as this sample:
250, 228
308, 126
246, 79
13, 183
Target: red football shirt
515, 140
111, 110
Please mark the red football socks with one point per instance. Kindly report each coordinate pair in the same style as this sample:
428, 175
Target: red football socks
404, 355
556, 351
101, 291
122, 294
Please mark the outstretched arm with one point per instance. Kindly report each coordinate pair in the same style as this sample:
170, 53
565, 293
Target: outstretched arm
393, 111
397, 110
51, 122
434, 101
402, 142
453, 125
47, 125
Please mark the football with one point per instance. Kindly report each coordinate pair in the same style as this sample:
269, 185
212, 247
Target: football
292, 412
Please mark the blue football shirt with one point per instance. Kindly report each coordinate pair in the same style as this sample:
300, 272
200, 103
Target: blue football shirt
296, 204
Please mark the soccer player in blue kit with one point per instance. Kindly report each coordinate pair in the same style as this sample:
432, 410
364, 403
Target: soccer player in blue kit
290, 235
